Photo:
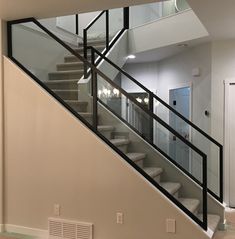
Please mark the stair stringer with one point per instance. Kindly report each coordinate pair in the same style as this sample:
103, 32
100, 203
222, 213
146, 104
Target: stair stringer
154, 159
52, 149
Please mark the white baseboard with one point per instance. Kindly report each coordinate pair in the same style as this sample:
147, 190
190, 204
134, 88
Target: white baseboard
34, 232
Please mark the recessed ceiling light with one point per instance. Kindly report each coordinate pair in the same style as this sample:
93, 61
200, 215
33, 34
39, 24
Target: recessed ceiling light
131, 57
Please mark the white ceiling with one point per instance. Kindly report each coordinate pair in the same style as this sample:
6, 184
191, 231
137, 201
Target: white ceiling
16, 9
218, 16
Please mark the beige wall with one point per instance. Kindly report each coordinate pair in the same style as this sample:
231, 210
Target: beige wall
2, 51
52, 158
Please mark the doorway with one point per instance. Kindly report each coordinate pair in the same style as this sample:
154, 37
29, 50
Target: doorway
180, 100
229, 144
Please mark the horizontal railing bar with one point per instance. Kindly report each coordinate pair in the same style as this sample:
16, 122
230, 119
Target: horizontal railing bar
156, 97
95, 19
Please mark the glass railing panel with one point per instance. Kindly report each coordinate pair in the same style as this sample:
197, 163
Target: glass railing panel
135, 117
51, 64
146, 13
116, 21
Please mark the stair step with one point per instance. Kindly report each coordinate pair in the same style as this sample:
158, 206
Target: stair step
97, 47
70, 66
72, 58
65, 75
122, 144
154, 173
171, 187
80, 106
106, 130
119, 142
191, 204
62, 84
67, 94
213, 221
137, 158
94, 42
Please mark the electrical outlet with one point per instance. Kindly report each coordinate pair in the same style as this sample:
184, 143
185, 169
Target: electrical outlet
119, 216
57, 209
170, 225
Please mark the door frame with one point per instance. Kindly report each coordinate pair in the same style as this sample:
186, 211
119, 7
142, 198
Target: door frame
226, 178
180, 86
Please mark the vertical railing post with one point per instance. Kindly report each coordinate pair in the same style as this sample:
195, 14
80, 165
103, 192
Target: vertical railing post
221, 179
151, 108
107, 30
126, 18
85, 51
204, 191
94, 90
76, 24
9, 39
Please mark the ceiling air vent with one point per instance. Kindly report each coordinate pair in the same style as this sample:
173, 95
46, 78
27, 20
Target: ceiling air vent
66, 229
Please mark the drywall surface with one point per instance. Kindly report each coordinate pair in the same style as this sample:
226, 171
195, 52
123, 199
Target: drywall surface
223, 63
2, 51
49, 160
181, 27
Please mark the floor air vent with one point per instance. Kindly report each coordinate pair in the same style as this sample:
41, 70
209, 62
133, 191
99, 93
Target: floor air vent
66, 229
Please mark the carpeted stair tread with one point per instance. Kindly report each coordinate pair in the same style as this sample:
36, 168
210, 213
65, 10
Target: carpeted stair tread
86, 114
69, 66
105, 127
72, 58
61, 81
171, 187
66, 72
97, 47
191, 204
153, 171
119, 142
71, 102
213, 221
136, 156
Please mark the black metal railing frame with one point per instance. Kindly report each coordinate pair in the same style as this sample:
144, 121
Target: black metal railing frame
93, 127
108, 43
152, 96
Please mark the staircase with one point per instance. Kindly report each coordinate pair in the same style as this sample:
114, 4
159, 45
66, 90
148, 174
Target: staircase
64, 82
129, 143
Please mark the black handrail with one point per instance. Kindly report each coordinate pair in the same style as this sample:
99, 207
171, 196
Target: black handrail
151, 96
96, 72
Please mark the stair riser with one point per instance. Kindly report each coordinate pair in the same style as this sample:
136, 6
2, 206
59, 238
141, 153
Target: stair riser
63, 85
176, 194
107, 134
88, 119
74, 59
66, 95
140, 163
123, 148
65, 76
158, 178
69, 67
95, 43
79, 107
